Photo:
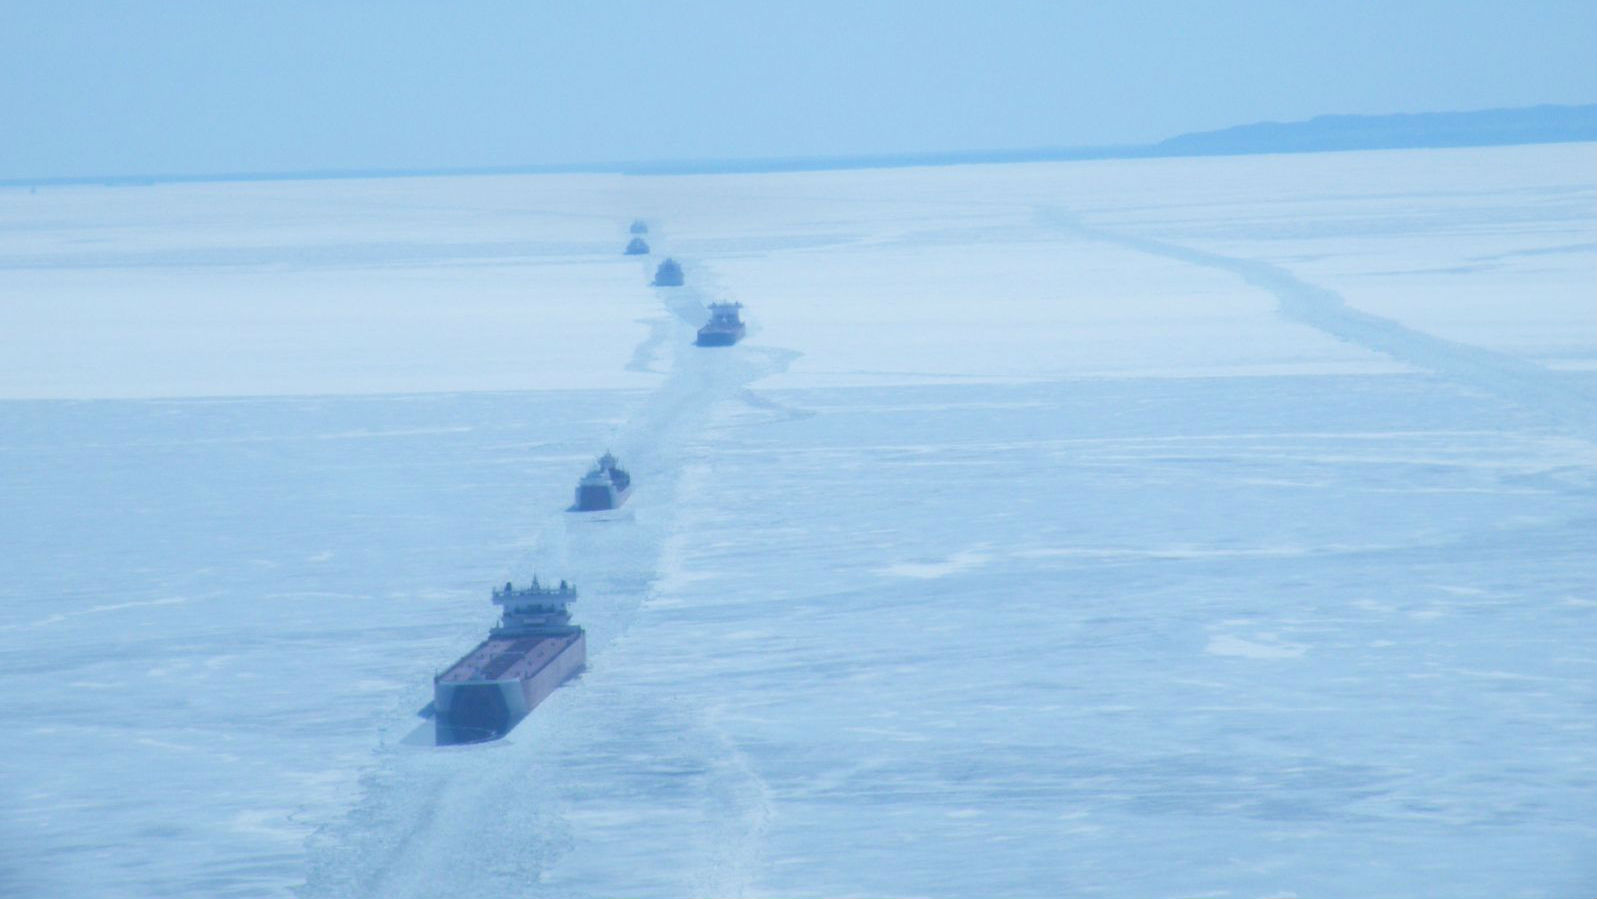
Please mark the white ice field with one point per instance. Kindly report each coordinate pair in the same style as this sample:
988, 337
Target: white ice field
1191, 527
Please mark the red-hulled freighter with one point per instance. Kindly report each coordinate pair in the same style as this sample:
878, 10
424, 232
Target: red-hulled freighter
534, 649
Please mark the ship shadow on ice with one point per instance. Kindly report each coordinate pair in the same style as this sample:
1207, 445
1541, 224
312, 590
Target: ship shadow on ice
575, 519
425, 736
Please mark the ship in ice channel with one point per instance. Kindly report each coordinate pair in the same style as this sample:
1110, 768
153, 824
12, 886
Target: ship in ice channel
669, 274
606, 486
532, 650
724, 327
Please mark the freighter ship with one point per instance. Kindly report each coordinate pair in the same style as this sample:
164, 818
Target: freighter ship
637, 246
724, 327
534, 649
669, 274
639, 226
605, 486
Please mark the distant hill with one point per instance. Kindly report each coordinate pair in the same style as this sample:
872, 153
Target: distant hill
1546, 124
1484, 128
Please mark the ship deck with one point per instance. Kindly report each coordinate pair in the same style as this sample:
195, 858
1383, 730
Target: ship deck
507, 658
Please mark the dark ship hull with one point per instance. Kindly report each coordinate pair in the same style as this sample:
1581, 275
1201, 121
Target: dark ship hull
716, 336
487, 693
599, 499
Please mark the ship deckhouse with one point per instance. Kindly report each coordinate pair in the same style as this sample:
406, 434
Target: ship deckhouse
725, 315
534, 610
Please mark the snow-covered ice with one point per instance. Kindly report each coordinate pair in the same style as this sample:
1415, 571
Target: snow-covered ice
1169, 527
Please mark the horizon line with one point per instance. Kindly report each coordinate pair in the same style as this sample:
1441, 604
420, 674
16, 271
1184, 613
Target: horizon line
1180, 145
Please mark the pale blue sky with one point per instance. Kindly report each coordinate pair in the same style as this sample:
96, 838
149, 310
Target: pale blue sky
197, 86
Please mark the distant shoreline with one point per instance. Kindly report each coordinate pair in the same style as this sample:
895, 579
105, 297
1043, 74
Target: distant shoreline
1547, 124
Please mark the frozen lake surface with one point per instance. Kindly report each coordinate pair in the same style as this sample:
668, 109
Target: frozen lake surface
1173, 527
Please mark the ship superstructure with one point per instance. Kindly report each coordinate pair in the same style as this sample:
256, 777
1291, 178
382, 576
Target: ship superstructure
532, 650
606, 486
724, 327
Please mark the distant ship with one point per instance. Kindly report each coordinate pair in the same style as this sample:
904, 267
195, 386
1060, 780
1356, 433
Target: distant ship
637, 247
639, 227
669, 274
534, 649
724, 327
606, 486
